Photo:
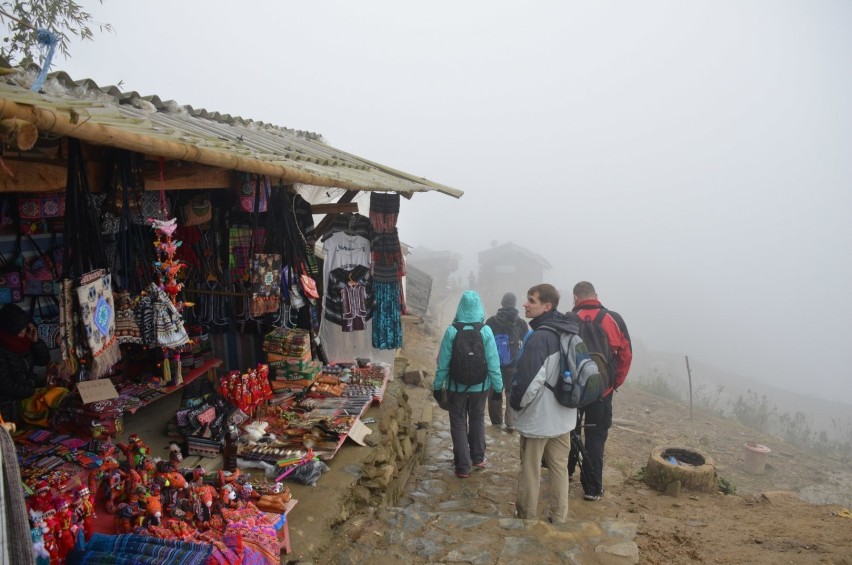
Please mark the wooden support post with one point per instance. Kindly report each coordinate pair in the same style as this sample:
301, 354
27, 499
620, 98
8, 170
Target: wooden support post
688, 372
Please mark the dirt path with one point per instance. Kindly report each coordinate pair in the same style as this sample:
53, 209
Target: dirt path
766, 521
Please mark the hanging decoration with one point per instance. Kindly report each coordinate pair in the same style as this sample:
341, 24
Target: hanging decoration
168, 320
47, 42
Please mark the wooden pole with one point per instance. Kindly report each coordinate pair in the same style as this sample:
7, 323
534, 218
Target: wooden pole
689, 372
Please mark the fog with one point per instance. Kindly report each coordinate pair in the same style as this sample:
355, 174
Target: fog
691, 159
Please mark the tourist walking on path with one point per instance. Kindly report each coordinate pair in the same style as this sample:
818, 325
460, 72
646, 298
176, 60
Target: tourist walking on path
542, 422
596, 418
509, 332
469, 369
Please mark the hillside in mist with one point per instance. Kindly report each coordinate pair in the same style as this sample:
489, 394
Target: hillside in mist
719, 389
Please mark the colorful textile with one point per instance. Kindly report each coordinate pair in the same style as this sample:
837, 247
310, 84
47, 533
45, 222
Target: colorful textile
349, 297
144, 315
387, 250
387, 253
134, 549
168, 322
257, 532
126, 328
249, 185
97, 314
384, 211
67, 321
239, 247
387, 321
265, 283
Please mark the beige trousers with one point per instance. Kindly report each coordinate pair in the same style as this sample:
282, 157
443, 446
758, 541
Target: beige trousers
554, 451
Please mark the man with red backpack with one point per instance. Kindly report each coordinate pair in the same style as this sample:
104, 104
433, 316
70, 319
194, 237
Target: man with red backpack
605, 335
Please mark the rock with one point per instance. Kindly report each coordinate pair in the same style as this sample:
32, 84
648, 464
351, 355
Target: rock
773, 495
673, 488
414, 378
372, 440
628, 550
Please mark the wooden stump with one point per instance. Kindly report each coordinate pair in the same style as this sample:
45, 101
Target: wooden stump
694, 470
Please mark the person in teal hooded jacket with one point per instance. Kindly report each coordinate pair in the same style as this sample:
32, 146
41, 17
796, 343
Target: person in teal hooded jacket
466, 404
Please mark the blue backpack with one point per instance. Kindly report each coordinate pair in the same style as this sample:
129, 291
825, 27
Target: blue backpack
504, 349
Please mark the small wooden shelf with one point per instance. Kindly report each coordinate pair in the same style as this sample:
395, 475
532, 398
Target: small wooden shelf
208, 368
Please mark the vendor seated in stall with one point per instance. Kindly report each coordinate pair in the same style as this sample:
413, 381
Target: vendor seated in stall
20, 351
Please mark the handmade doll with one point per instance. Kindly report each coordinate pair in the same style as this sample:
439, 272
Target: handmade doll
172, 483
84, 510
65, 519
175, 454
51, 535
37, 532
43, 499
135, 450
227, 496
153, 508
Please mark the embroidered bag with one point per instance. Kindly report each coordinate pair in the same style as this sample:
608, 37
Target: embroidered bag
46, 320
40, 272
41, 206
253, 187
11, 289
126, 327
309, 286
197, 211
10, 282
265, 283
97, 315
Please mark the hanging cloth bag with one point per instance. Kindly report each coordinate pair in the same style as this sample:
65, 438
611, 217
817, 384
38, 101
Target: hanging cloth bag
97, 316
46, 319
11, 290
40, 272
92, 329
126, 327
266, 267
168, 323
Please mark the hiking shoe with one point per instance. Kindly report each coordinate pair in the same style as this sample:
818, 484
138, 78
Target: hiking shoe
592, 497
481, 464
462, 475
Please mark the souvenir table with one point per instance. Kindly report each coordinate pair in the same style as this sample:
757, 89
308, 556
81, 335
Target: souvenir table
316, 420
153, 506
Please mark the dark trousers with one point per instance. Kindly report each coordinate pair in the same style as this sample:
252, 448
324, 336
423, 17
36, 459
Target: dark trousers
467, 428
495, 402
596, 420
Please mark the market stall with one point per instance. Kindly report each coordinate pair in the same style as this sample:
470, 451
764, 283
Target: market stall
157, 267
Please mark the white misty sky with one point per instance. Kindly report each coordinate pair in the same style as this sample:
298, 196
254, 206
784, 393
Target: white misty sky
692, 159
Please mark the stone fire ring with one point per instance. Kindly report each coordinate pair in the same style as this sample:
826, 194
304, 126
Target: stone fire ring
695, 470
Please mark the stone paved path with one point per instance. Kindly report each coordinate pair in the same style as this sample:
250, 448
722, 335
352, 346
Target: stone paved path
444, 519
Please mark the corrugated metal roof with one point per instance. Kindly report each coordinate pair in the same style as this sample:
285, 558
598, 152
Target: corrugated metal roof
108, 116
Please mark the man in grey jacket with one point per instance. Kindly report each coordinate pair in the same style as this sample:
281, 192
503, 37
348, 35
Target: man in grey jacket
543, 424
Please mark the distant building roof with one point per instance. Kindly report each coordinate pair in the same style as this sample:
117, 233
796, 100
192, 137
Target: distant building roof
421, 253
150, 125
500, 251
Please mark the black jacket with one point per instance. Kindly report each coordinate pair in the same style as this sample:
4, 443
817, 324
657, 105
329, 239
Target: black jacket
17, 379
